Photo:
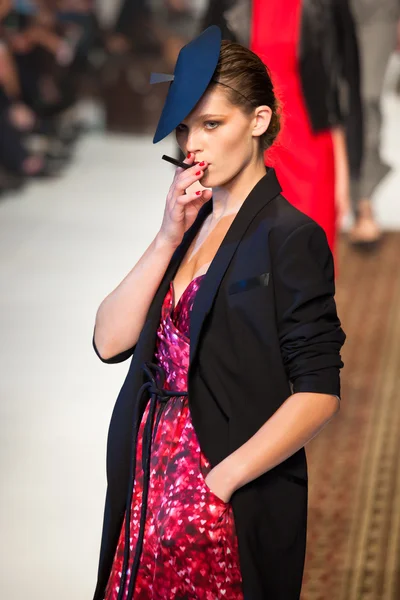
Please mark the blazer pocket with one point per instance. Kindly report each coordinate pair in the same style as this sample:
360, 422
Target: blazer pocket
247, 284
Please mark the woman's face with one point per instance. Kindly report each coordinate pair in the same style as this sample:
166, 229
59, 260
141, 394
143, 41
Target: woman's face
221, 134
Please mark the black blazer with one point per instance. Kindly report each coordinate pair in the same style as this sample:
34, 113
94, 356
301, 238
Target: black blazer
263, 324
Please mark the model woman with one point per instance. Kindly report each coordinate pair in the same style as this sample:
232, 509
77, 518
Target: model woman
231, 320
311, 49
377, 25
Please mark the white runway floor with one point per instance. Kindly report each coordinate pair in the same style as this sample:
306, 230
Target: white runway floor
63, 246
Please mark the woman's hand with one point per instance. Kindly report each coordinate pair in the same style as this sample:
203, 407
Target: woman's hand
342, 199
342, 176
181, 209
219, 482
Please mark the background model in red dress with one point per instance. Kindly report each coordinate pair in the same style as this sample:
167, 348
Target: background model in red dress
304, 161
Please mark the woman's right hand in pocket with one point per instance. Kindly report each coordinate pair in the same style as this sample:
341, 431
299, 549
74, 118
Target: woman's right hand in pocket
181, 208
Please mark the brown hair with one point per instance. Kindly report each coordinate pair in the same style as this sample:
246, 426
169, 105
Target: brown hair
247, 83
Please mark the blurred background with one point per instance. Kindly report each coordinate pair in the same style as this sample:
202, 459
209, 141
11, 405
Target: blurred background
82, 193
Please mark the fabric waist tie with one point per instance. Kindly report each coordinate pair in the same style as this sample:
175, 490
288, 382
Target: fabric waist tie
157, 394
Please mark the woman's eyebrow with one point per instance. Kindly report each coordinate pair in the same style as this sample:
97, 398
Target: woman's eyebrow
205, 117
209, 116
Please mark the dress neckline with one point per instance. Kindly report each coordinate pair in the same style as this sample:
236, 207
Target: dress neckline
185, 291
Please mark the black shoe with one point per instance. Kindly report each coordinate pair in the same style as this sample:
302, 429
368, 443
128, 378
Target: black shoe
366, 245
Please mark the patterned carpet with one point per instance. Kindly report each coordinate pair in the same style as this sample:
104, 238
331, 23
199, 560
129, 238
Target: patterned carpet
354, 465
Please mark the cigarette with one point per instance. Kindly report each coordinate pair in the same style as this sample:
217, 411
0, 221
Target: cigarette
176, 162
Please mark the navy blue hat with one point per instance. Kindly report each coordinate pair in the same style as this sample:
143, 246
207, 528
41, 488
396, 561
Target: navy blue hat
194, 69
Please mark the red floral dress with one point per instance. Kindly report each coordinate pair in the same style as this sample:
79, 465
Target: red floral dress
190, 547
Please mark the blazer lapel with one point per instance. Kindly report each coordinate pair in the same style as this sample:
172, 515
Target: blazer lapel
266, 189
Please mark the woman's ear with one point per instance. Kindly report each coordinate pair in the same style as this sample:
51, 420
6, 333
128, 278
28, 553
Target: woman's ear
262, 119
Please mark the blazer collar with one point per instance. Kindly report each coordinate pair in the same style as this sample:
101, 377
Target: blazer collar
263, 192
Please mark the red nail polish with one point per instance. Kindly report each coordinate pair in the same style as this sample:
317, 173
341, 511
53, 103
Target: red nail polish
198, 173
202, 163
189, 155
198, 193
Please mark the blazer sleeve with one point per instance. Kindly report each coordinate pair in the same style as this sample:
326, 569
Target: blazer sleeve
309, 329
118, 358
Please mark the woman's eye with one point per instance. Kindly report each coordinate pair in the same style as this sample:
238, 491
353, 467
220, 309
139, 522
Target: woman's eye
211, 124
207, 124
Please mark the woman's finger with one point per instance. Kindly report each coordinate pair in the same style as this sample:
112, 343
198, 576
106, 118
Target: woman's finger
188, 160
187, 178
186, 199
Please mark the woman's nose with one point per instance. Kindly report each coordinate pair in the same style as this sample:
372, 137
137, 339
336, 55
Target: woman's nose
192, 144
